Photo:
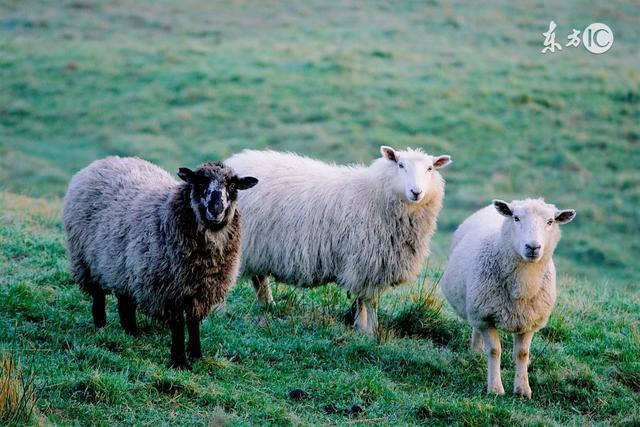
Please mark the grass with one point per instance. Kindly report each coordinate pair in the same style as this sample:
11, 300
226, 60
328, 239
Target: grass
584, 365
17, 395
421, 316
180, 83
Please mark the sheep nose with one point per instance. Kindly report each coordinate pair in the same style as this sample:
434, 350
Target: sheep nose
534, 246
416, 193
532, 250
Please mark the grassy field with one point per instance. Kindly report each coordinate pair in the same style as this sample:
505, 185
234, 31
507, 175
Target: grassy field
183, 82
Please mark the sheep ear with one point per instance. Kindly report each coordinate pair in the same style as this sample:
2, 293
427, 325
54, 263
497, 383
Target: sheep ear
441, 161
565, 216
246, 182
388, 153
502, 207
186, 174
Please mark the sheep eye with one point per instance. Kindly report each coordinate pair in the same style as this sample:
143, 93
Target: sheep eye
550, 222
516, 219
430, 168
401, 165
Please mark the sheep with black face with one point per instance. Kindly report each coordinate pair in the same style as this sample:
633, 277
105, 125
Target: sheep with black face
168, 248
501, 275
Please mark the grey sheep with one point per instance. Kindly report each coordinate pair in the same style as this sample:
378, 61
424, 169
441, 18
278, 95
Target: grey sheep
367, 228
501, 275
166, 247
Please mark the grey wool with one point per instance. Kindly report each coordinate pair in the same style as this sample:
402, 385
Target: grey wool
168, 248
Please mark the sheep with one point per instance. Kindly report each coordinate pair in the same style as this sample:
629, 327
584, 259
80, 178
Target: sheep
501, 275
364, 228
162, 246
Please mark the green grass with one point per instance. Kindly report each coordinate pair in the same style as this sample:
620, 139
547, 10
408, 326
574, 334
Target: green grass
585, 365
180, 83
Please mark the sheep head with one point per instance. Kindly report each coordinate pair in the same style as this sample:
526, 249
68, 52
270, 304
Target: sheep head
531, 226
413, 171
214, 192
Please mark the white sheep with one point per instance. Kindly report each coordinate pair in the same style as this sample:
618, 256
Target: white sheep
501, 275
364, 228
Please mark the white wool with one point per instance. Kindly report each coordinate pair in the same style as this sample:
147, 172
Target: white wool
487, 277
494, 282
311, 223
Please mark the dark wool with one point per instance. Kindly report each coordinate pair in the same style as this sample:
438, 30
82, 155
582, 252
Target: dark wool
136, 232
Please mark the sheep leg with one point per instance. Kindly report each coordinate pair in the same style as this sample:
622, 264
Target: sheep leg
262, 289
98, 309
178, 356
493, 350
372, 311
366, 315
127, 313
194, 349
82, 275
476, 341
361, 319
521, 344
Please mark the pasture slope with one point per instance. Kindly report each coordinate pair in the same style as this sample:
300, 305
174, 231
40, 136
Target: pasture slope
178, 83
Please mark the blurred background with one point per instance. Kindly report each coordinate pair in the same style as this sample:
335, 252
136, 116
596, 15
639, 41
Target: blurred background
179, 83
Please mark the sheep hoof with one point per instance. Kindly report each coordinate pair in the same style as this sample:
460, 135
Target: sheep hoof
477, 348
268, 306
180, 365
496, 389
364, 326
196, 355
523, 392
99, 323
132, 332
366, 330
